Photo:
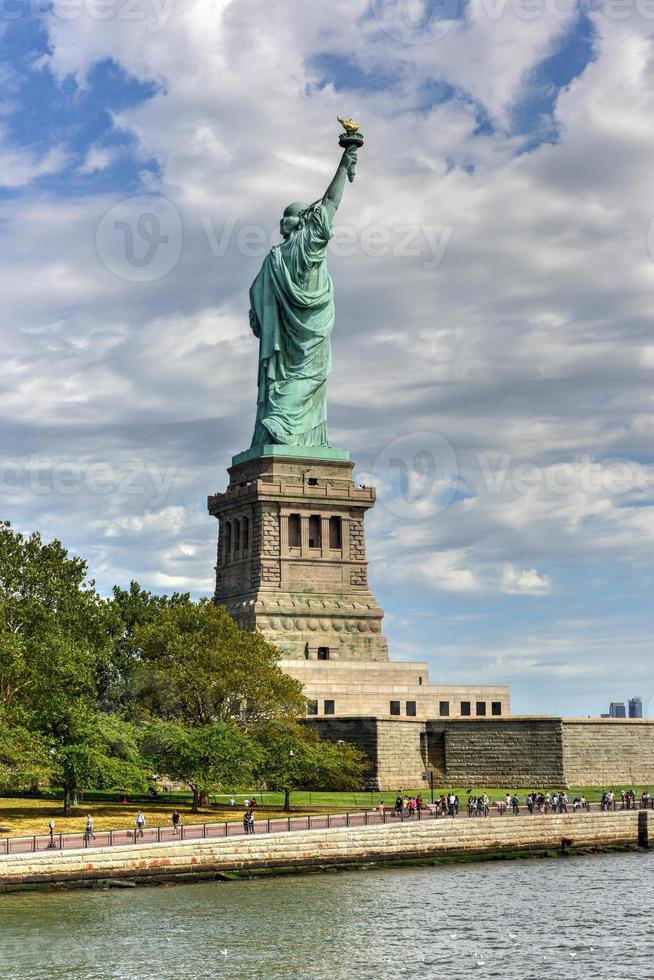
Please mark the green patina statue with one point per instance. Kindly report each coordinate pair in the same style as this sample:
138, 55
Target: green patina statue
292, 314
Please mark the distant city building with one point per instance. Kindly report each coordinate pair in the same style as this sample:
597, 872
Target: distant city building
617, 709
635, 707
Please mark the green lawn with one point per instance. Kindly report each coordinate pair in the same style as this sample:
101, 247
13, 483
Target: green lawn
366, 798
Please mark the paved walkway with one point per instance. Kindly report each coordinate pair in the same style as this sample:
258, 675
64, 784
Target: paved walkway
200, 831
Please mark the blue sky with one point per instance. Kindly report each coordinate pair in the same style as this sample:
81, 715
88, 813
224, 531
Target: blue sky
511, 322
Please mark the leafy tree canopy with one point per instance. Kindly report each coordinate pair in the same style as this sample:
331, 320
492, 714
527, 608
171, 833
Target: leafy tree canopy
54, 629
55, 641
199, 667
132, 608
207, 758
293, 757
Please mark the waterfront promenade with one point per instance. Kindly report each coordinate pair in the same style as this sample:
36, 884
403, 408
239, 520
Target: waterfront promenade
234, 828
320, 841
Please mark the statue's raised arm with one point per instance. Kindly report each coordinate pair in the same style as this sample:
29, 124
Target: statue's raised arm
334, 193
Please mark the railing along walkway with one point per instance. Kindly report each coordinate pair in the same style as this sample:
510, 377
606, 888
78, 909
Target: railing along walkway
235, 828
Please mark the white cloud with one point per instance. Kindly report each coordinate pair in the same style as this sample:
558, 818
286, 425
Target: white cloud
19, 167
98, 158
525, 581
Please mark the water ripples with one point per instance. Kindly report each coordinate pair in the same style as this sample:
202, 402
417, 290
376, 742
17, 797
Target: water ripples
578, 916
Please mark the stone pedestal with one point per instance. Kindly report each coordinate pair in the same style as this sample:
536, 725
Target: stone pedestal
291, 554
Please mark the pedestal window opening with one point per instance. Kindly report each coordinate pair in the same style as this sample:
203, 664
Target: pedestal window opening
294, 531
335, 533
315, 531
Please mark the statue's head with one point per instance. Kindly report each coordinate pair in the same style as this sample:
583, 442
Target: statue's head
291, 218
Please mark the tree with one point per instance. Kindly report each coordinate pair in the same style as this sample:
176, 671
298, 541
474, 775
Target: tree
100, 752
295, 758
55, 641
206, 757
25, 761
54, 630
132, 608
198, 666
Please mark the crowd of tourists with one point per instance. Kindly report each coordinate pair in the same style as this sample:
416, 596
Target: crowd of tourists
447, 805
406, 807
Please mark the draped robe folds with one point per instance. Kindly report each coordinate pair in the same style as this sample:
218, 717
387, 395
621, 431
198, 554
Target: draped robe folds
292, 314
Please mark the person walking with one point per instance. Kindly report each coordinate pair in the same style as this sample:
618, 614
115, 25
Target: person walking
175, 819
248, 822
140, 823
88, 832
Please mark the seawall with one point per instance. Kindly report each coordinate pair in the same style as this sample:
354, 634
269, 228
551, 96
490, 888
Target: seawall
186, 860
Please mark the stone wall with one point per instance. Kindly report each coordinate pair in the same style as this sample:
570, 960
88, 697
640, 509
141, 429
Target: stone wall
503, 752
400, 758
515, 752
608, 752
394, 748
392, 841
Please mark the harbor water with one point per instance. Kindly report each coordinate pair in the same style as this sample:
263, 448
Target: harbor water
585, 916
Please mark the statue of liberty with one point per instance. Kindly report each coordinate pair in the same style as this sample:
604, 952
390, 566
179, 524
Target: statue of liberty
292, 314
